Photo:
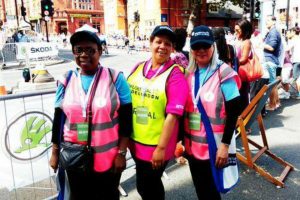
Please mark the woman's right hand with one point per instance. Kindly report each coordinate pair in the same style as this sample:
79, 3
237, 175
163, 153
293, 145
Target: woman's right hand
54, 158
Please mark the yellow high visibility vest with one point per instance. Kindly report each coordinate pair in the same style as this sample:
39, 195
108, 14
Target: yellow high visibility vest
154, 99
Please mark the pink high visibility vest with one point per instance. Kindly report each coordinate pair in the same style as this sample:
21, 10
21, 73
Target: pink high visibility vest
104, 140
213, 102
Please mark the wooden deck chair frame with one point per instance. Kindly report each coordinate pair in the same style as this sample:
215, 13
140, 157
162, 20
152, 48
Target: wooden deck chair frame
244, 122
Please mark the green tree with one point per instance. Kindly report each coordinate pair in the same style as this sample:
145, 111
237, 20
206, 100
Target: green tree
196, 7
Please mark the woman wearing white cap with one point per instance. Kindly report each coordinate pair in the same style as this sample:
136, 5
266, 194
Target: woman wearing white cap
159, 92
210, 113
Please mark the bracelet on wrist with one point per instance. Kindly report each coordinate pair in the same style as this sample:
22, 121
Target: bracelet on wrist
122, 152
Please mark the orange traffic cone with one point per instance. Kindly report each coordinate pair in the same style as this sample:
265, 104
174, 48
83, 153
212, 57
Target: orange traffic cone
2, 90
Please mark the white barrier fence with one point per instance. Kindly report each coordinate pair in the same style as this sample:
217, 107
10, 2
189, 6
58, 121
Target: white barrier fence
27, 52
25, 132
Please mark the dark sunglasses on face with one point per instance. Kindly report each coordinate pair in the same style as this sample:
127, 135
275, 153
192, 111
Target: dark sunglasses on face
201, 46
88, 51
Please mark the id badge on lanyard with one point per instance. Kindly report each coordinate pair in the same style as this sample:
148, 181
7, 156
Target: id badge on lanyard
82, 131
82, 128
195, 117
142, 111
85, 97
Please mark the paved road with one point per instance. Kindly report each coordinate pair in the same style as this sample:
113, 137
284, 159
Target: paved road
283, 133
117, 59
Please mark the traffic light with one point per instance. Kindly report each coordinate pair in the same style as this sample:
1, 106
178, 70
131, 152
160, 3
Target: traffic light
257, 9
247, 5
136, 16
47, 8
23, 11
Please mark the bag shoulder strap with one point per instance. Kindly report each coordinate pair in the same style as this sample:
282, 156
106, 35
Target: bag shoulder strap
63, 116
89, 105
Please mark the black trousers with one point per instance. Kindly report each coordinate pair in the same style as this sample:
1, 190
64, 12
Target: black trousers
94, 185
203, 179
244, 94
148, 181
256, 87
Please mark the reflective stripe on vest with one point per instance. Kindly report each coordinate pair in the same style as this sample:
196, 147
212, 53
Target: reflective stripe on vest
95, 127
104, 121
213, 102
155, 100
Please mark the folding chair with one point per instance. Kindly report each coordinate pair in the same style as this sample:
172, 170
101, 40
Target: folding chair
244, 122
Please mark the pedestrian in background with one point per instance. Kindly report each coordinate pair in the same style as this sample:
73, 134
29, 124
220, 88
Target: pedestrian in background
22, 37
255, 87
179, 56
272, 49
226, 51
295, 58
159, 92
243, 31
216, 85
111, 120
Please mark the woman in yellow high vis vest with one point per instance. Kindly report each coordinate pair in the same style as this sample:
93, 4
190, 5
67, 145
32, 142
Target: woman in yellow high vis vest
159, 93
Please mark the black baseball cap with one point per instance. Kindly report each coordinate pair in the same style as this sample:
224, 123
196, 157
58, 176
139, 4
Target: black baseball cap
201, 35
85, 36
164, 30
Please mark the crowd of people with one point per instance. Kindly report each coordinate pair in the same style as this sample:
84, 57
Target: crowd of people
174, 97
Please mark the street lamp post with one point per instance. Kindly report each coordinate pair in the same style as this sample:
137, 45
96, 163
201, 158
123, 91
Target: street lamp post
287, 14
17, 15
4, 11
273, 5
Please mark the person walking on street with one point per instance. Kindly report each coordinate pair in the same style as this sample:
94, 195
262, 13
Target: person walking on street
215, 85
243, 31
272, 45
295, 58
111, 120
159, 93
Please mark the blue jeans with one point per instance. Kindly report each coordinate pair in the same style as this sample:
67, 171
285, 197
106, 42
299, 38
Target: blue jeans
296, 70
271, 67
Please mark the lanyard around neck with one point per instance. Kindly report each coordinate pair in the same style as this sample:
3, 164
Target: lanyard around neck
85, 97
196, 86
144, 85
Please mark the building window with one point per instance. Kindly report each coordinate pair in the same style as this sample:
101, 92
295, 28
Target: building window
185, 4
81, 23
96, 25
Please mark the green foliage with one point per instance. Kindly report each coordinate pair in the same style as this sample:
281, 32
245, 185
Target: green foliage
221, 2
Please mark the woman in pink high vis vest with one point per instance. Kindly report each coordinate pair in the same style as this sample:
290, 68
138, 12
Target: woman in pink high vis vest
111, 120
216, 85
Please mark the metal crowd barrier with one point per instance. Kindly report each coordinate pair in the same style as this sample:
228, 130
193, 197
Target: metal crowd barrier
25, 130
26, 121
9, 57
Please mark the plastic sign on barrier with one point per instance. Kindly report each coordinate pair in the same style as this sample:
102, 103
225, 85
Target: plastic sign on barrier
25, 141
36, 50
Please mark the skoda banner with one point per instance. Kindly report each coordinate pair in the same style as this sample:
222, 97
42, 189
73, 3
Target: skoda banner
25, 132
36, 50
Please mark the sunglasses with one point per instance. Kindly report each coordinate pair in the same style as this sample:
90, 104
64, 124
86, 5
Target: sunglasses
78, 51
201, 46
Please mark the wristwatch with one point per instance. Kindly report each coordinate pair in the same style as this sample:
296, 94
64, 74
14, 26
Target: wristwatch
122, 152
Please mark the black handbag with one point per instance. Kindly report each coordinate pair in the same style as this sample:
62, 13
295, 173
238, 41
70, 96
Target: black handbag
77, 157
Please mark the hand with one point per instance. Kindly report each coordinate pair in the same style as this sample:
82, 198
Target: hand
222, 155
158, 158
119, 163
54, 160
